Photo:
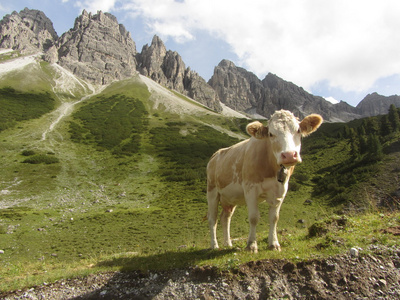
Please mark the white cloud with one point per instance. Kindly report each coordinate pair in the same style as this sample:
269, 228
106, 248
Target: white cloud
95, 5
331, 100
349, 44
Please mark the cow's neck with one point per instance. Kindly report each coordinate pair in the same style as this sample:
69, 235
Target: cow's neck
263, 158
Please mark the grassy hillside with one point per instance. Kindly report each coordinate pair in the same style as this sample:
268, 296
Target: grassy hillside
119, 183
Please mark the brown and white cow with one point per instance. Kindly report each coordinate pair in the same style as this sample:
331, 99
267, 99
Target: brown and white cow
256, 170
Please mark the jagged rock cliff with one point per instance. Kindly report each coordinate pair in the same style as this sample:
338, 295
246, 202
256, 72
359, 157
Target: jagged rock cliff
167, 68
243, 91
28, 31
97, 49
375, 104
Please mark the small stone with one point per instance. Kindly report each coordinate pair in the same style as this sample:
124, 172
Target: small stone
354, 252
109, 210
1, 251
382, 282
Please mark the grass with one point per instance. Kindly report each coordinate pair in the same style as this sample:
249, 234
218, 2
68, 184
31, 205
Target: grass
359, 231
98, 208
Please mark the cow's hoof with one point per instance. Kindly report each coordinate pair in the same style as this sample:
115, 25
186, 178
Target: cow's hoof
275, 248
252, 247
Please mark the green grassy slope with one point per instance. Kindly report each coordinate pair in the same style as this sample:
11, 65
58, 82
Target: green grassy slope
119, 183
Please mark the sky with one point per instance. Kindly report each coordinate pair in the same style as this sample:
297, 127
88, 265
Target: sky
337, 49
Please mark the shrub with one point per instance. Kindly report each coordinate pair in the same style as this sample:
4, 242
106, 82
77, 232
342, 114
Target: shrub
41, 159
114, 123
28, 152
17, 106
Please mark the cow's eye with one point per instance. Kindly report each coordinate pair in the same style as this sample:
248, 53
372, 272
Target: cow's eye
271, 135
299, 131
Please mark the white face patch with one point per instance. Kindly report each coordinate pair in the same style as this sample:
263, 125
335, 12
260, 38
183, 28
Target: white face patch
285, 137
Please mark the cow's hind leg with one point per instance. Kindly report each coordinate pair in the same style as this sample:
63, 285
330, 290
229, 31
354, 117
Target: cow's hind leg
212, 215
226, 215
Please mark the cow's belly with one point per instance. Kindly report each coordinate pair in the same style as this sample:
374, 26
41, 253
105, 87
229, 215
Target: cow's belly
269, 190
232, 194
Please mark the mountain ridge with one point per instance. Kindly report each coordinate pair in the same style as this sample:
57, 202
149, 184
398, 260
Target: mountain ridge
100, 50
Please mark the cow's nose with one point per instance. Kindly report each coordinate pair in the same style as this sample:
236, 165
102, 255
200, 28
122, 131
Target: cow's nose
289, 157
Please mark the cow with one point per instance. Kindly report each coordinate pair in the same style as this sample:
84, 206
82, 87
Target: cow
256, 170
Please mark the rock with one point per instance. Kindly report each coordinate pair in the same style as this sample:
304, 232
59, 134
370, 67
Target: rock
382, 282
197, 88
354, 252
97, 49
237, 88
375, 104
29, 31
1, 251
168, 69
243, 91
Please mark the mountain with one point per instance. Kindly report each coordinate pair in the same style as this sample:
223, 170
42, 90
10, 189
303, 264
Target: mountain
375, 104
167, 68
28, 31
99, 50
243, 91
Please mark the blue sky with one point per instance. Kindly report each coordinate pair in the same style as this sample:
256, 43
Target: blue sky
337, 49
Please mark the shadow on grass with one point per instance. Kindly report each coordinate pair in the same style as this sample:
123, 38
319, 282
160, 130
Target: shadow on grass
164, 261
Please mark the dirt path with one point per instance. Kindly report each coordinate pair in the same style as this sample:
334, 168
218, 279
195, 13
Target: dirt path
369, 275
67, 83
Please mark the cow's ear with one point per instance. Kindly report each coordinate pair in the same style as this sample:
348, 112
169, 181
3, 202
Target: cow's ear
257, 129
310, 124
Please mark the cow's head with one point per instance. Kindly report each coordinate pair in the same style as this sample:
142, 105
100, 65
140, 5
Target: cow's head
284, 131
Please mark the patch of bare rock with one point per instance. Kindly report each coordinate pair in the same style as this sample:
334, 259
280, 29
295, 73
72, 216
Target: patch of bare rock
350, 276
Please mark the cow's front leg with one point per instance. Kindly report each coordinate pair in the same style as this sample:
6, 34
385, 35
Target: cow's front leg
254, 216
226, 215
273, 222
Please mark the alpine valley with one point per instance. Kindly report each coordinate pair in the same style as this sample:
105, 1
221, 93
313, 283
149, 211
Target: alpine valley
103, 154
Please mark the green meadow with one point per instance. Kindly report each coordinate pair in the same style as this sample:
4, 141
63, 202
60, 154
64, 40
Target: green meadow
118, 184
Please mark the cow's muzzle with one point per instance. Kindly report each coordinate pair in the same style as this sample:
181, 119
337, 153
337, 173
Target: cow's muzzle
290, 158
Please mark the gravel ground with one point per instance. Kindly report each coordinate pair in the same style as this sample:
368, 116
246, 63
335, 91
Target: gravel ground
356, 275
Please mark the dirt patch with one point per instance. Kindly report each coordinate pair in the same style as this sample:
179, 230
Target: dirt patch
392, 230
372, 274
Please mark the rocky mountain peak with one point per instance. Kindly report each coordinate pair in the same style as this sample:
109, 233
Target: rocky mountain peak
151, 59
97, 49
28, 31
167, 68
375, 104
